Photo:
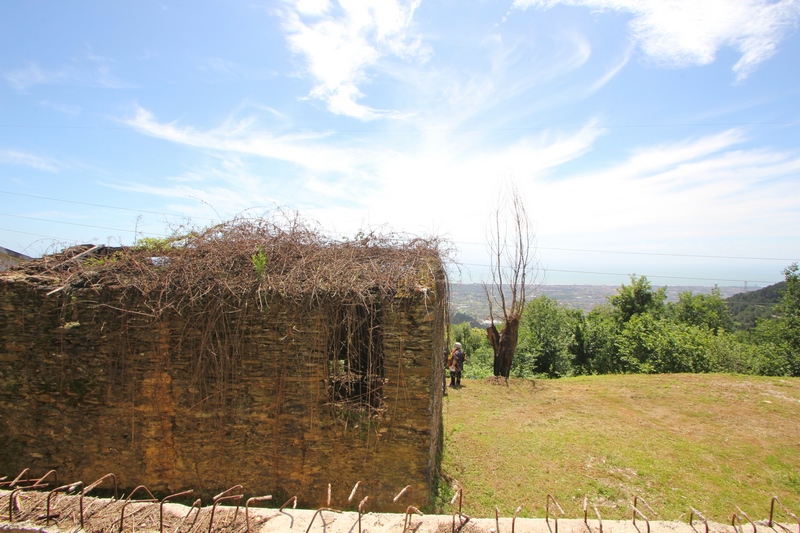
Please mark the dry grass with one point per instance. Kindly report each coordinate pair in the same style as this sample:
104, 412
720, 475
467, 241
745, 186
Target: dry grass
708, 441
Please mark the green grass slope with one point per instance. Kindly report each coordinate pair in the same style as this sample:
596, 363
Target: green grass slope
707, 441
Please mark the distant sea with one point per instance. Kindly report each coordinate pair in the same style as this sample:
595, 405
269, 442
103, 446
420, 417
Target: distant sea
470, 299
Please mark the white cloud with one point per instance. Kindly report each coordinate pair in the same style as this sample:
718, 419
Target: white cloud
375, 179
238, 137
20, 158
218, 190
688, 32
313, 7
338, 50
690, 191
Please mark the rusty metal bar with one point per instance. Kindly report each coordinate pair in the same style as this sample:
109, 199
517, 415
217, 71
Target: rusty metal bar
461, 521
197, 503
514, 520
460, 495
64, 488
787, 511
247, 507
219, 499
407, 519
89, 488
547, 510
161, 507
399, 494
11, 503
223, 496
496, 519
225, 492
637, 511
586, 514
128, 500
637, 499
17, 479
586, 511
735, 517
361, 510
39, 481
698, 513
292, 500
353, 492
319, 512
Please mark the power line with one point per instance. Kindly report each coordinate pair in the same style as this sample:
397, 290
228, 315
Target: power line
99, 205
465, 264
34, 234
416, 130
83, 225
562, 249
654, 276
699, 256
663, 254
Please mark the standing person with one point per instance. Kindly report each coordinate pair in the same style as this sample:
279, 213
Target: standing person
456, 365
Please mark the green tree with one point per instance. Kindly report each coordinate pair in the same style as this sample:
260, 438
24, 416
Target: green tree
596, 346
546, 334
597, 353
703, 310
637, 298
740, 354
784, 329
471, 339
650, 344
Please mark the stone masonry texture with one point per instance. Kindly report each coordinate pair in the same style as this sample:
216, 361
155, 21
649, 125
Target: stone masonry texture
91, 384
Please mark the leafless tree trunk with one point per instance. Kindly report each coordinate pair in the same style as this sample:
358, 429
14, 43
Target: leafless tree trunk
515, 273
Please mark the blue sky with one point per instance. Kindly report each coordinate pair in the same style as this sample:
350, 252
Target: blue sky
655, 138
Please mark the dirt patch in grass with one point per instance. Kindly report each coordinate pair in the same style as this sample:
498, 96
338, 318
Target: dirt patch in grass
708, 441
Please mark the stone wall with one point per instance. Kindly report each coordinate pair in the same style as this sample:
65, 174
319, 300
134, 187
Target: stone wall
91, 384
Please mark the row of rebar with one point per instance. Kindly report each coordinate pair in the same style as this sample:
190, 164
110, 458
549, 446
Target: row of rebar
25, 482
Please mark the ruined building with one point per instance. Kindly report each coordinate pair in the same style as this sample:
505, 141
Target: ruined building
254, 353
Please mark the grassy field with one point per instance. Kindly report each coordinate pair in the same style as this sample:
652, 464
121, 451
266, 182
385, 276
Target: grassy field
708, 441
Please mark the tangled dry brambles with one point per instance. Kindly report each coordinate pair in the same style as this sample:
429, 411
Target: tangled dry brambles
282, 257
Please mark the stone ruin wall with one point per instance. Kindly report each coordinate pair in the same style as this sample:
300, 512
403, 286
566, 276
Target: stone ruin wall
87, 389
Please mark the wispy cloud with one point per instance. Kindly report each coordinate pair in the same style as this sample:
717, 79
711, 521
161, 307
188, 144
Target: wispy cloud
26, 159
338, 47
686, 32
374, 175
67, 109
699, 188
245, 138
212, 190
91, 70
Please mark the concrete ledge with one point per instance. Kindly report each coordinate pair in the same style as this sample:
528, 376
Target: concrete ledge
103, 515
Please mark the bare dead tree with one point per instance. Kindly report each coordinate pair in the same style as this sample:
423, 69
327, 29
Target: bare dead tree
515, 274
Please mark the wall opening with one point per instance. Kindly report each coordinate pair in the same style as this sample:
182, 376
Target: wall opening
356, 359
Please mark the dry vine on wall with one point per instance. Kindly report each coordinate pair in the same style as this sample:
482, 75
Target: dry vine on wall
219, 280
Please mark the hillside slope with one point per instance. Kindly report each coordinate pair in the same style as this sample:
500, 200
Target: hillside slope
708, 441
747, 307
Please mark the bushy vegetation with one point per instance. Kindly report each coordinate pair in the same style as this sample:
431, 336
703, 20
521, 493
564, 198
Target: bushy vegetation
637, 331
